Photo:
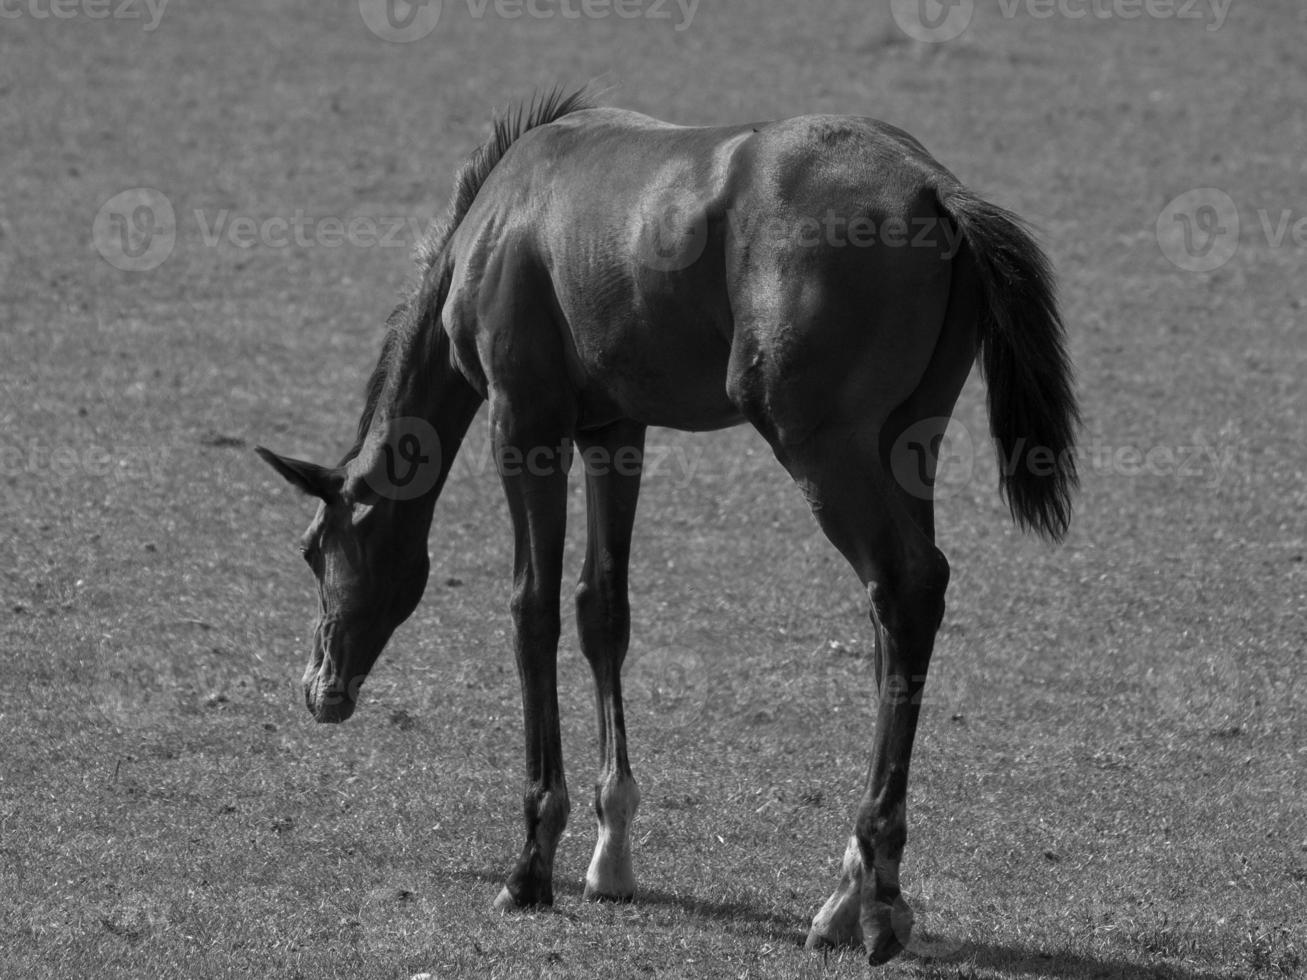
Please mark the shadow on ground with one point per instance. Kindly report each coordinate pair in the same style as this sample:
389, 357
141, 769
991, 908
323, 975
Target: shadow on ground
1021, 960
738, 917
741, 917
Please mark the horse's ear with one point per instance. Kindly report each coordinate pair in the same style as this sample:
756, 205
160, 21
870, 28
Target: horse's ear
317, 481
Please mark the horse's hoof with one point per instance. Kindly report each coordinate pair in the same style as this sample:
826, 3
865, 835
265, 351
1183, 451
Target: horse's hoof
506, 901
829, 940
596, 895
884, 949
819, 940
837, 924
886, 930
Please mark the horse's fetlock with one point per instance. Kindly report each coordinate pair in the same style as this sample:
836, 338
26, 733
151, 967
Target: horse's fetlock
616, 799
882, 832
547, 806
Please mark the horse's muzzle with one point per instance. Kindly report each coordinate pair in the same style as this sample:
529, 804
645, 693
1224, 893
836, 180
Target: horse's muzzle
328, 697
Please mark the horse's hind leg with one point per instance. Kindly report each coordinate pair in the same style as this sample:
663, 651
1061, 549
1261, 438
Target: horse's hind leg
887, 537
612, 461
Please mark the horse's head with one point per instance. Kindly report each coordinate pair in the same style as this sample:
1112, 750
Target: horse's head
371, 566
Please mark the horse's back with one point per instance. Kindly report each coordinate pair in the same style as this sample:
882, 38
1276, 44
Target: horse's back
575, 216
667, 248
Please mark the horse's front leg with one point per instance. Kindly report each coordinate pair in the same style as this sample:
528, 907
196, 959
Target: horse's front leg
612, 458
534, 474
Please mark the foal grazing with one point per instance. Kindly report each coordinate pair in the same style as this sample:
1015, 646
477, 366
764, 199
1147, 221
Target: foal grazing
821, 278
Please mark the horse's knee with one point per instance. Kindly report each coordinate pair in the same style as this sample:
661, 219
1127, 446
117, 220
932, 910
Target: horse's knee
547, 809
603, 614
535, 614
595, 600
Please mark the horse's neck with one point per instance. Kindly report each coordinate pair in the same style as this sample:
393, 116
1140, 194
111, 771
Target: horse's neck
421, 416
427, 386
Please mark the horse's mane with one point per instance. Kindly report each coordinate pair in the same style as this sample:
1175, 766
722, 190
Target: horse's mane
506, 129
424, 294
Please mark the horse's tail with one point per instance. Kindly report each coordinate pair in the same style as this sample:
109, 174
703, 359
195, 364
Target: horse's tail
1033, 415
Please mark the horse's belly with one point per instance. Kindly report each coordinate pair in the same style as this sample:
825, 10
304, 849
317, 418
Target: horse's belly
699, 411
673, 377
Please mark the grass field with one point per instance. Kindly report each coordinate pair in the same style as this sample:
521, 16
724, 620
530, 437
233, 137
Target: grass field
1109, 780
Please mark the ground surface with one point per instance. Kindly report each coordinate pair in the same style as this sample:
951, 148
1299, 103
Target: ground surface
1109, 779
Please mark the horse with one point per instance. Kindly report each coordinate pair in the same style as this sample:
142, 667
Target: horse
598, 271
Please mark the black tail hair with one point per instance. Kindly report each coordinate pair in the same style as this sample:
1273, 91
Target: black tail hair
1033, 415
